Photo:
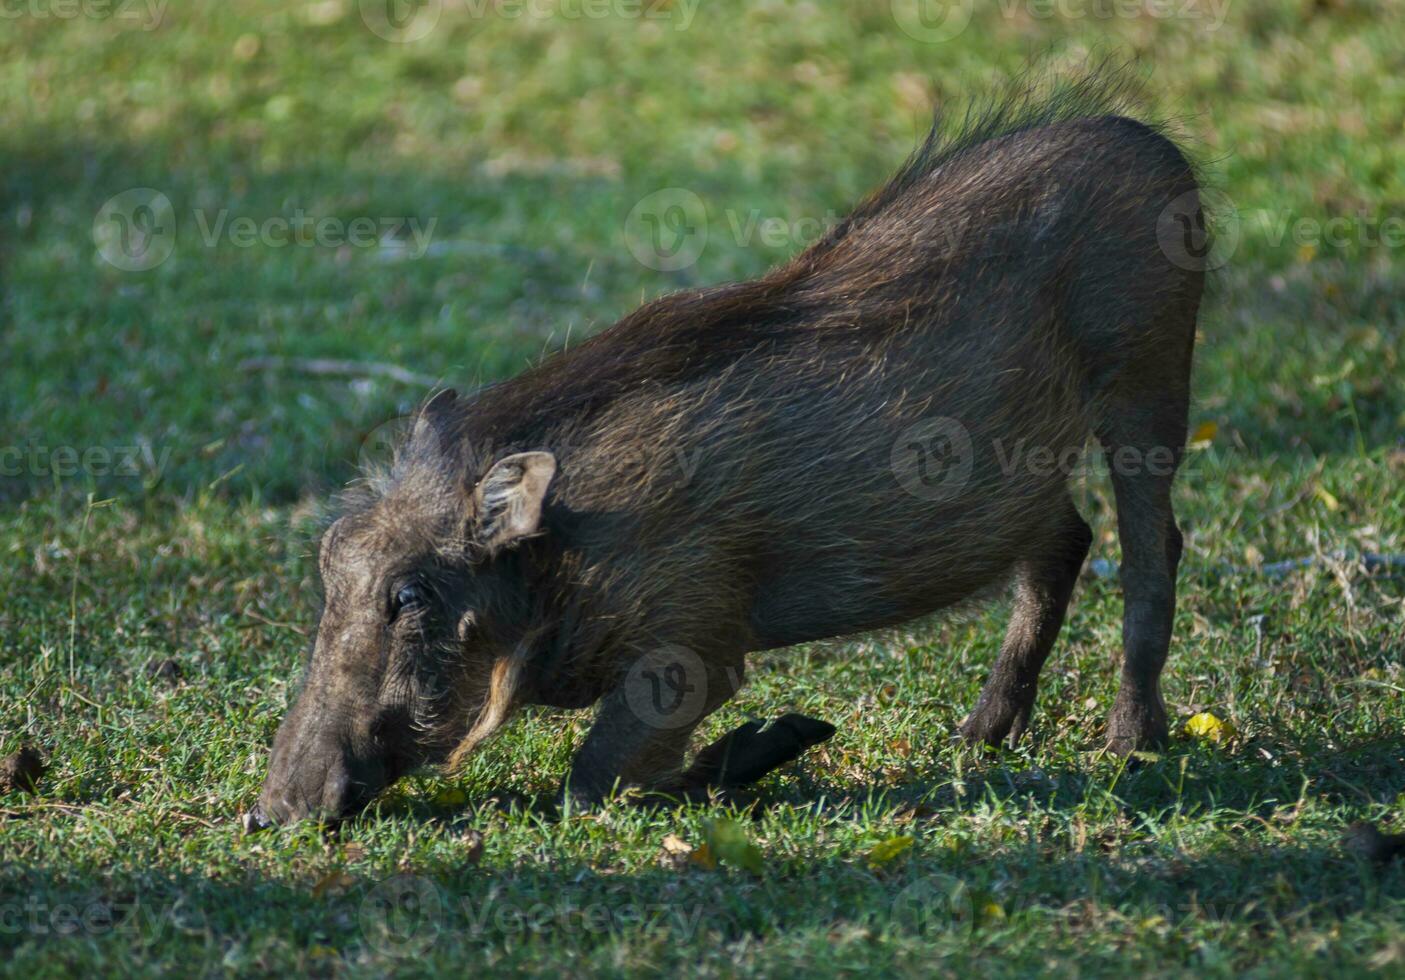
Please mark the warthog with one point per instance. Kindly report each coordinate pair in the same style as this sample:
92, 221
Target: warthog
877, 429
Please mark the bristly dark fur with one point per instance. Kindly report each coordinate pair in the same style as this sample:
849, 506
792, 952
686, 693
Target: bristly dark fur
1027, 101
732, 469
696, 331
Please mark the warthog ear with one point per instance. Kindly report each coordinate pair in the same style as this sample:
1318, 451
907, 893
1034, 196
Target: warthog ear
432, 421
507, 503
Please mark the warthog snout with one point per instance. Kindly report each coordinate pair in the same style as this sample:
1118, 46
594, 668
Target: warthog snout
321, 769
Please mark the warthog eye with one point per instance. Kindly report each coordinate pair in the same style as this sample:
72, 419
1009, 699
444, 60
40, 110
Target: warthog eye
410, 598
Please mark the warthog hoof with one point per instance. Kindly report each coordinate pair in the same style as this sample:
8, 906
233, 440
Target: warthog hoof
750, 751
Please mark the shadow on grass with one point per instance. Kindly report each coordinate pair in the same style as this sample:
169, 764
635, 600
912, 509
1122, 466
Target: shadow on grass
1262, 777
440, 914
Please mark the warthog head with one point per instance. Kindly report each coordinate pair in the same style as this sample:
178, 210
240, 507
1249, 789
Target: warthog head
420, 634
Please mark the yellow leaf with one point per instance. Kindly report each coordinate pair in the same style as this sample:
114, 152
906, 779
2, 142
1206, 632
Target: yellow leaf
1205, 725
1328, 501
1204, 434
992, 912
450, 796
1307, 252
729, 843
886, 851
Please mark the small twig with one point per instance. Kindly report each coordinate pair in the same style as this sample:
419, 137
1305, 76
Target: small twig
1370, 561
79, 809
1355, 789
73, 592
342, 369
272, 622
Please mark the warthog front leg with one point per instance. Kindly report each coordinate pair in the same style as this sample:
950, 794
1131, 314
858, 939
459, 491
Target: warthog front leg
643, 726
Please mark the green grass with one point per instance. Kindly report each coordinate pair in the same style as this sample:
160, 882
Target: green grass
527, 141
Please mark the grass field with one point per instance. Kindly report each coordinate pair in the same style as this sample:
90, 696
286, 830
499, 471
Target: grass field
162, 495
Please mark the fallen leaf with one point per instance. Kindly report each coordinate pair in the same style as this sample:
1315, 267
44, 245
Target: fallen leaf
885, 852
1204, 434
1207, 726
675, 852
673, 844
450, 796
729, 843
